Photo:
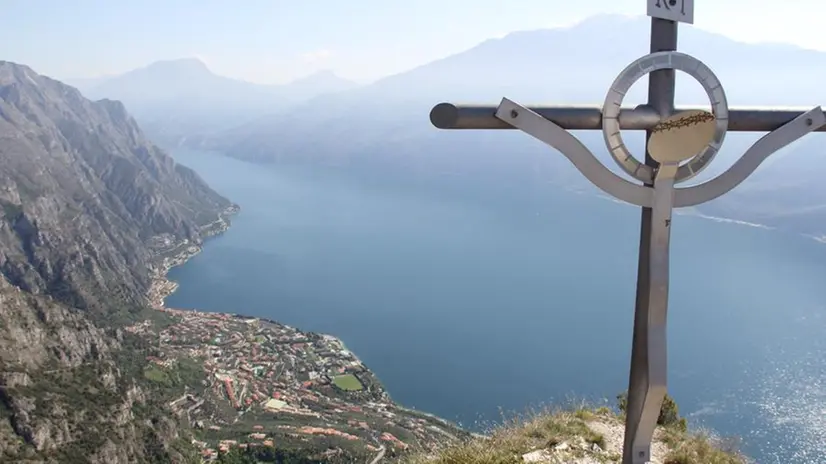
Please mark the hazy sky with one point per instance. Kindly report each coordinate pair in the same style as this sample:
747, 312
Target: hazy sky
274, 41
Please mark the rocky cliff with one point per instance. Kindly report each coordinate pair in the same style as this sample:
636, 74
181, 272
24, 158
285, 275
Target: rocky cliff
67, 390
86, 202
83, 193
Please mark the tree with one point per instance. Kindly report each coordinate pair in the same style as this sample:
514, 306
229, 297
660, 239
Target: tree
236, 456
265, 454
669, 412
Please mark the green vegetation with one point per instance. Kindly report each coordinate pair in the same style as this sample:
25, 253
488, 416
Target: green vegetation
184, 372
264, 454
348, 382
155, 373
509, 442
576, 433
669, 412
124, 315
698, 447
287, 440
57, 392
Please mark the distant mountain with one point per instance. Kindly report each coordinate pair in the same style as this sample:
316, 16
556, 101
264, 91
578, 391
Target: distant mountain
85, 83
83, 197
320, 83
386, 124
176, 99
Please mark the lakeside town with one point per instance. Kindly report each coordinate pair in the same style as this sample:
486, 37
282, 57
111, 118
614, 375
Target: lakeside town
255, 382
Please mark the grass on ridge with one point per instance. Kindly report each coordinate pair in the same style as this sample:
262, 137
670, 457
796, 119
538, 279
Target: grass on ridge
570, 429
698, 447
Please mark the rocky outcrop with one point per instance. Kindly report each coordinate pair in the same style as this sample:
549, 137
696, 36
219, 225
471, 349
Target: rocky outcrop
37, 331
68, 390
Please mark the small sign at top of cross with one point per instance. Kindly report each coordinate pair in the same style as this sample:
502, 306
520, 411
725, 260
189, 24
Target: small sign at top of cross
672, 10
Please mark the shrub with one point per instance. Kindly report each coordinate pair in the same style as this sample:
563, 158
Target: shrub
669, 411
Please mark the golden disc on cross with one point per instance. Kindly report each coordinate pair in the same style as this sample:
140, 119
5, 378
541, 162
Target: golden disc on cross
681, 136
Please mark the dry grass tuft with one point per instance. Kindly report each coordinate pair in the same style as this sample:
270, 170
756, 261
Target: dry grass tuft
698, 447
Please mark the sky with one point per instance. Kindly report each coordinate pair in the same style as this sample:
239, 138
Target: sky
277, 41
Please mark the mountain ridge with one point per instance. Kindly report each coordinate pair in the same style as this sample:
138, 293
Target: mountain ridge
195, 64
180, 98
387, 128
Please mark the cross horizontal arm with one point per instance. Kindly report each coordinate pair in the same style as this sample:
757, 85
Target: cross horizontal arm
573, 149
643, 117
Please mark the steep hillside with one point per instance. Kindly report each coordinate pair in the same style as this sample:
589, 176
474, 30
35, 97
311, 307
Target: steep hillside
69, 390
84, 193
93, 215
87, 203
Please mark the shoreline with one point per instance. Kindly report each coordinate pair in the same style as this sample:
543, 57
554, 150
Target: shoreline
170, 255
378, 400
180, 253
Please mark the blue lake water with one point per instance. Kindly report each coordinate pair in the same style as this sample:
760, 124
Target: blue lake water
469, 303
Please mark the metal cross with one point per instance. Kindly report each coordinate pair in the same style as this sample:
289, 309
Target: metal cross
654, 191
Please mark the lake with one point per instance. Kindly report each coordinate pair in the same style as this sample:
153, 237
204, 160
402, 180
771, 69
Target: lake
471, 302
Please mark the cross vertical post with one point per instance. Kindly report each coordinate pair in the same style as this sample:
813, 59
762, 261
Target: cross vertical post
679, 144
642, 388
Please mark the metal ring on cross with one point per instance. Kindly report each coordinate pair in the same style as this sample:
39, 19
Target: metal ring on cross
634, 72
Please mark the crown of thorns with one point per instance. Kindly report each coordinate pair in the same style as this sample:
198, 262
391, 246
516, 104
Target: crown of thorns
683, 122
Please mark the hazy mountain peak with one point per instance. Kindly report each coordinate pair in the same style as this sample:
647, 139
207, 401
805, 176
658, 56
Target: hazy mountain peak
181, 66
324, 73
597, 24
10, 71
180, 98
319, 82
10, 65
